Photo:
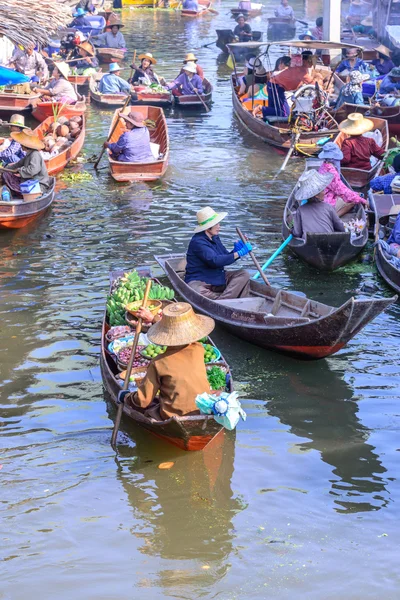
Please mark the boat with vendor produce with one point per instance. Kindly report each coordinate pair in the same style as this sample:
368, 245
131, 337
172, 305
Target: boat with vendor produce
153, 95
12, 101
63, 139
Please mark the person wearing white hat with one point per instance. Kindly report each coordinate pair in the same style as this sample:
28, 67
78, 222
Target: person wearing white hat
188, 82
59, 88
112, 83
315, 216
206, 258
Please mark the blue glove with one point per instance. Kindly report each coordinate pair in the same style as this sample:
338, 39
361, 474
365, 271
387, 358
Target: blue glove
121, 396
245, 250
238, 246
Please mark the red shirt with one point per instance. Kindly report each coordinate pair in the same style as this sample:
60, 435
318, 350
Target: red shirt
358, 150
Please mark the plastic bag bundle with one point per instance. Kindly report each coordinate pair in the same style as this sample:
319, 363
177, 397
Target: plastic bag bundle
226, 408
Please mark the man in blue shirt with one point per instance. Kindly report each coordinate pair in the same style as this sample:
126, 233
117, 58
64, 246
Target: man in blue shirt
207, 256
384, 182
391, 83
112, 83
79, 19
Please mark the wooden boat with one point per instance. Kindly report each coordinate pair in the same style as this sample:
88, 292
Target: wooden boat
44, 110
57, 163
19, 213
129, 171
381, 205
79, 80
325, 251
205, 5
280, 320
109, 55
281, 28
226, 36
253, 12
111, 101
391, 114
358, 178
193, 101
277, 131
17, 103
143, 96
188, 433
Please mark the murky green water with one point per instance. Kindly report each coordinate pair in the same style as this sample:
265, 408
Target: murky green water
300, 503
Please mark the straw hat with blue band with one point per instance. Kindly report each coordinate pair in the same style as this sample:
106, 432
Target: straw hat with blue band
207, 218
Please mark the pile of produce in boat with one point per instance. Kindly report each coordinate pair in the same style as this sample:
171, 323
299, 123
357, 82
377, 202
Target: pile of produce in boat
152, 350
130, 288
124, 355
61, 135
210, 353
119, 331
216, 378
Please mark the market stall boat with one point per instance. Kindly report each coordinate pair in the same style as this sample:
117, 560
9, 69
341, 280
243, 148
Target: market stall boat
382, 204
151, 171
252, 12
280, 320
194, 101
190, 433
80, 80
57, 163
226, 36
17, 103
391, 114
205, 5
143, 96
109, 55
44, 110
18, 213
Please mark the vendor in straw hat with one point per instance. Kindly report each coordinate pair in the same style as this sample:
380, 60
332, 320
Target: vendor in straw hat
59, 88
316, 216
383, 63
190, 57
207, 256
187, 83
134, 144
112, 38
11, 151
112, 83
358, 149
391, 83
31, 166
179, 375
88, 58
144, 73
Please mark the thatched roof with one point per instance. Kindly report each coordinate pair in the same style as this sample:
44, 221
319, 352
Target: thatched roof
27, 22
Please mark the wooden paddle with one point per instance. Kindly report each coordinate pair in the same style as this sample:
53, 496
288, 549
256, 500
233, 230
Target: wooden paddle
255, 261
199, 97
112, 131
129, 368
302, 22
133, 62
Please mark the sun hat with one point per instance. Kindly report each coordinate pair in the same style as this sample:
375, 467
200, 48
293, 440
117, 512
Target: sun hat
260, 71
306, 34
358, 77
252, 61
240, 16
207, 217
87, 47
191, 67
28, 139
149, 57
135, 117
63, 68
180, 326
190, 57
312, 183
356, 124
383, 50
114, 67
332, 151
116, 24
16, 121
395, 72
79, 12
367, 21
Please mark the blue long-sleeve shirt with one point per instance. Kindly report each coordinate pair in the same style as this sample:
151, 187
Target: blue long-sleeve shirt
383, 183
359, 65
133, 146
206, 259
394, 237
112, 84
388, 86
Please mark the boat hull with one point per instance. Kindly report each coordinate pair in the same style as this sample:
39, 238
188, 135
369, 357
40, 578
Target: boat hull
381, 205
193, 101
226, 36
17, 103
18, 214
109, 55
391, 114
44, 110
57, 163
195, 14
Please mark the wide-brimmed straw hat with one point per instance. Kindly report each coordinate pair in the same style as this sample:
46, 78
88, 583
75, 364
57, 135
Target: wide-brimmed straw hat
207, 218
383, 50
116, 24
260, 71
79, 12
190, 57
114, 67
87, 47
29, 140
332, 151
312, 183
191, 67
149, 57
136, 118
356, 124
367, 21
63, 68
16, 121
179, 326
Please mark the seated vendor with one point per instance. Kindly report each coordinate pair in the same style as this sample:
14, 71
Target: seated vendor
383, 63
366, 28
144, 73
30, 63
112, 38
352, 62
207, 256
174, 379
391, 83
11, 150
315, 216
242, 30
383, 183
59, 88
112, 83
134, 144
190, 57
292, 78
79, 19
190, 5
187, 83
284, 10
357, 11
87, 59
351, 92
358, 149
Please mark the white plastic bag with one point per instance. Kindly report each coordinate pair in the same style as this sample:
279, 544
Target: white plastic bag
226, 408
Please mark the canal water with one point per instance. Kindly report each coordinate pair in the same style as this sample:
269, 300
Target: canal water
302, 502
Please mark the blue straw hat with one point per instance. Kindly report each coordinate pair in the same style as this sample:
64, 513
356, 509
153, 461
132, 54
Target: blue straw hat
306, 34
79, 12
114, 67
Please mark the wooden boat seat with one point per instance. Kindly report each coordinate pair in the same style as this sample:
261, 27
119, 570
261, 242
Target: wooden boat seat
253, 303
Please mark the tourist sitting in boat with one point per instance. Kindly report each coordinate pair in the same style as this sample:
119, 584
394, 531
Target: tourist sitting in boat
190, 5
337, 194
30, 63
88, 63
112, 83
144, 74
187, 83
390, 83
134, 144
282, 63
254, 83
31, 166
190, 57
277, 103
318, 30
383, 63
10, 150
351, 92
358, 149
112, 38
242, 30
173, 379
207, 256
352, 62
284, 10
315, 216
80, 19
294, 77
383, 183
59, 89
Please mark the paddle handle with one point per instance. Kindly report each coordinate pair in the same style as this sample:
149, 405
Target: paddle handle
129, 368
199, 97
272, 258
253, 258
112, 131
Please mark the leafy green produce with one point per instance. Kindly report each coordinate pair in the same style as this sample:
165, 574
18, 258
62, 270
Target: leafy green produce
216, 378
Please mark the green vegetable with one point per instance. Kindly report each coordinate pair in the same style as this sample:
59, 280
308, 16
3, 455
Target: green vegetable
76, 177
216, 378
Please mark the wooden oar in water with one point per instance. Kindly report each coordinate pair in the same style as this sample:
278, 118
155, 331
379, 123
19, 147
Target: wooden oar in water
112, 131
199, 97
253, 258
129, 368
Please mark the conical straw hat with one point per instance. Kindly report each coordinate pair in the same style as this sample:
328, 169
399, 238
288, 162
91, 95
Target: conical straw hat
312, 183
179, 326
356, 124
29, 140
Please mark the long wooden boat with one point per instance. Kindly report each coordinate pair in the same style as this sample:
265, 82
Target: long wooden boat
280, 320
325, 251
381, 205
358, 178
79, 80
44, 110
143, 96
226, 36
391, 114
17, 103
188, 433
253, 12
193, 101
111, 101
277, 131
129, 171
18, 213
109, 55
57, 163
205, 5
